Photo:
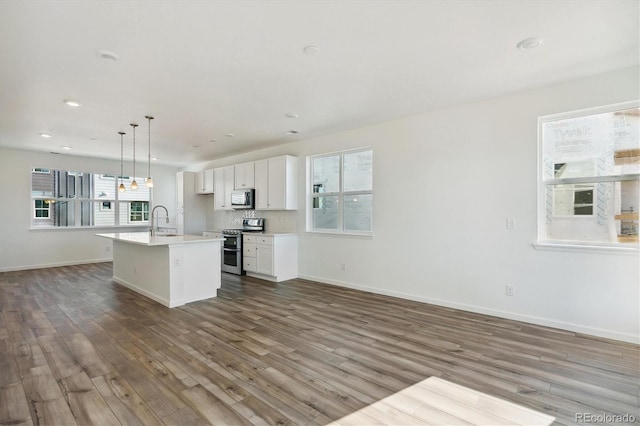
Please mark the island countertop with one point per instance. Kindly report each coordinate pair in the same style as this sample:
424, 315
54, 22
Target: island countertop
145, 238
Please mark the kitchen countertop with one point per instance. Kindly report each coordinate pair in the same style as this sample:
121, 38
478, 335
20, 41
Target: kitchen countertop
145, 238
267, 234
272, 234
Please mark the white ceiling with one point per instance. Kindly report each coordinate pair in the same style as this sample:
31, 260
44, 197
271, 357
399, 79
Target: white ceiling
208, 68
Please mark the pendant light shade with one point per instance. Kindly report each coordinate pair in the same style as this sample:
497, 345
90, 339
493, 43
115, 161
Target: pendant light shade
121, 187
148, 181
134, 184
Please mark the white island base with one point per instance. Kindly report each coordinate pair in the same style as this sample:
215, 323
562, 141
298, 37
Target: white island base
171, 270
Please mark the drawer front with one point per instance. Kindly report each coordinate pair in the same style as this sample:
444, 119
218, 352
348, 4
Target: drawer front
265, 240
249, 238
249, 264
249, 250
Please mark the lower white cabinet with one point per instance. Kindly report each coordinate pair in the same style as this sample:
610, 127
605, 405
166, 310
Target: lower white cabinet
271, 257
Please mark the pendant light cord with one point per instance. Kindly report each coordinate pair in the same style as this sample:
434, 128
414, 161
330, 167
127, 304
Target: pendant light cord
121, 187
134, 150
134, 184
121, 156
148, 180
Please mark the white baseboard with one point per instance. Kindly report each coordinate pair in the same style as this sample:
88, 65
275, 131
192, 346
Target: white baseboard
548, 322
54, 265
146, 293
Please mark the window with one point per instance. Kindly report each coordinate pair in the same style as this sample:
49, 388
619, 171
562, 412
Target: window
342, 192
139, 211
590, 176
41, 209
71, 199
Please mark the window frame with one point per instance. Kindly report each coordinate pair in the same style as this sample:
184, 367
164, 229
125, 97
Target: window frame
546, 243
142, 213
340, 194
35, 208
76, 199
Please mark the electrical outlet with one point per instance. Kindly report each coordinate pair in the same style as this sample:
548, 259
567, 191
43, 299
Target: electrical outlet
343, 266
511, 223
108, 249
511, 290
176, 262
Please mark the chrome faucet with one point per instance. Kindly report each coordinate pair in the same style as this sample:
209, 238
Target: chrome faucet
152, 230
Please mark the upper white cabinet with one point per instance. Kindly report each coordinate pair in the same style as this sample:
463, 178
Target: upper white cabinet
204, 182
276, 183
244, 175
223, 181
262, 184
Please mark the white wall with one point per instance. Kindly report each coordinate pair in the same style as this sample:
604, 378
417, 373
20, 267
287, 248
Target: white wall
22, 248
444, 184
458, 172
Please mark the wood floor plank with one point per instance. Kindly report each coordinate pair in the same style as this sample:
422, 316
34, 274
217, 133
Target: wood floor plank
9, 373
124, 401
488, 404
291, 353
59, 357
85, 354
46, 403
211, 408
14, 409
86, 403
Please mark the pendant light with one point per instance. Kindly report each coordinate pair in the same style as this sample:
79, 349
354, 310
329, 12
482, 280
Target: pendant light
121, 188
148, 181
134, 184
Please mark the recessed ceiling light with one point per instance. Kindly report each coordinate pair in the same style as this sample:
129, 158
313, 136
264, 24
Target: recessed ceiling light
196, 146
291, 115
311, 50
291, 132
212, 140
66, 147
45, 135
230, 135
105, 54
72, 103
529, 43
154, 158
93, 139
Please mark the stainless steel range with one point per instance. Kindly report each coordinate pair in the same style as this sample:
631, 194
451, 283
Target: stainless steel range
232, 246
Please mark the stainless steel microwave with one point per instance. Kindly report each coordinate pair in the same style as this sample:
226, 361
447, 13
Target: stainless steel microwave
243, 199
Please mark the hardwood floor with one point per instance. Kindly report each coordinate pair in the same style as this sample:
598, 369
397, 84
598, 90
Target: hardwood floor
76, 348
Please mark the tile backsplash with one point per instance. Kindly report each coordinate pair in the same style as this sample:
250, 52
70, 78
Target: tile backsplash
274, 221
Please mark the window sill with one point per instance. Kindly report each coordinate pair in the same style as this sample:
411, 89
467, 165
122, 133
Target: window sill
368, 235
586, 247
87, 228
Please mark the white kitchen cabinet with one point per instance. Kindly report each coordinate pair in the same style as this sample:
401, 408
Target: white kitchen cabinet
204, 182
265, 259
190, 208
244, 175
223, 180
262, 184
271, 257
276, 183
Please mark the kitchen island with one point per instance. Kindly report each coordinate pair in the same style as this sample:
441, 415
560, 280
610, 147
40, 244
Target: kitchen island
170, 269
